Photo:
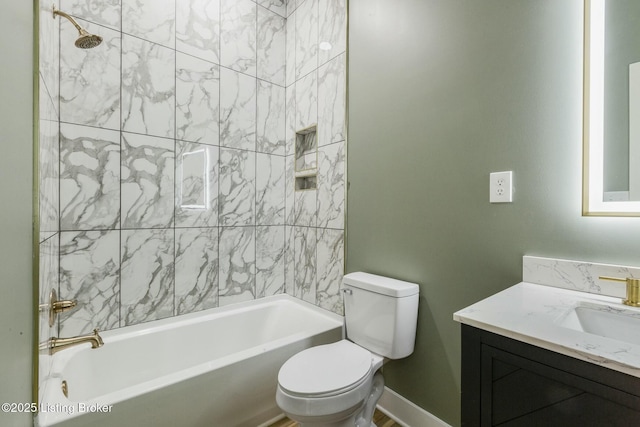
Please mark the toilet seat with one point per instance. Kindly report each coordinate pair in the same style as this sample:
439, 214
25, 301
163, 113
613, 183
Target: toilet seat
326, 370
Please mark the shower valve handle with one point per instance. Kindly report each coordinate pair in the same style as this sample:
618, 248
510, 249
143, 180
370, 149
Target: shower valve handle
58, 306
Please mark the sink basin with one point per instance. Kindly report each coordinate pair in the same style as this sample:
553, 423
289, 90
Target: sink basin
605, 321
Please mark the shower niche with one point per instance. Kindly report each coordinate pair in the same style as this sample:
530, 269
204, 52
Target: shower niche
306, 167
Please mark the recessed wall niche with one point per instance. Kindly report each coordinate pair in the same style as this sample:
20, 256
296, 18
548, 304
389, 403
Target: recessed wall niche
306, 169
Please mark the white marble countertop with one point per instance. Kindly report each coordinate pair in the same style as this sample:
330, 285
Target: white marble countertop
530, 313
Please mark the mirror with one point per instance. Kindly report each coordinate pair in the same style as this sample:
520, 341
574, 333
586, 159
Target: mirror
611, 168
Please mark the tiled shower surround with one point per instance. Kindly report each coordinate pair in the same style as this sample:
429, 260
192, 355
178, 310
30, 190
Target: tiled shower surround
171, 188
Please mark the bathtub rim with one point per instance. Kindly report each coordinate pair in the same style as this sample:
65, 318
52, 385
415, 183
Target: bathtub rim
53, 393
145, 328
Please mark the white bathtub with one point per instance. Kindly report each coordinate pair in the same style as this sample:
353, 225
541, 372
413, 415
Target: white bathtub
215, 368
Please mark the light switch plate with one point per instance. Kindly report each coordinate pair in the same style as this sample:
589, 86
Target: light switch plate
501, 187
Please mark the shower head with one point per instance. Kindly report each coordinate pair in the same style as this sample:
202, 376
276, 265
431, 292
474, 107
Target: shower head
85, 40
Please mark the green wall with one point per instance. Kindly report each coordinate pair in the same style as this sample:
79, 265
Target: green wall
16, 141
441, 93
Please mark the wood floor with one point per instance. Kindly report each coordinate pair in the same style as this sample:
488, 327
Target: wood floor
380, 420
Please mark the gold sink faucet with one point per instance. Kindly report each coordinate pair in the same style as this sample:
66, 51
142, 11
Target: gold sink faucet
57, 344
633, 289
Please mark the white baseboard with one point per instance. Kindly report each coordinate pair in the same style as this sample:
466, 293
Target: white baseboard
405, 412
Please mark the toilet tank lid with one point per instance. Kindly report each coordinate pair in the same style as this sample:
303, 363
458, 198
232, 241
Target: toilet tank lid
380, 284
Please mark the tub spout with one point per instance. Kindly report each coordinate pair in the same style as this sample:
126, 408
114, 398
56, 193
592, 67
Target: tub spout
57, 344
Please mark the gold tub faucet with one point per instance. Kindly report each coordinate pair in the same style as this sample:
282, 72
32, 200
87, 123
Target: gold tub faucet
57, 344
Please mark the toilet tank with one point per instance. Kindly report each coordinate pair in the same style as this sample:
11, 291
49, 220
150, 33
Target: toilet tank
381, 313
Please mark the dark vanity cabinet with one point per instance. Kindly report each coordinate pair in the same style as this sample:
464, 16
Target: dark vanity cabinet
513, 384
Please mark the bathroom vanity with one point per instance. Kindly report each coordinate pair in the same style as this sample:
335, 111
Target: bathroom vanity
510, 383
536, 355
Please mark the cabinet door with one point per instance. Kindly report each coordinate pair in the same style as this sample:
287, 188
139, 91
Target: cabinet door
520, 392
509, 383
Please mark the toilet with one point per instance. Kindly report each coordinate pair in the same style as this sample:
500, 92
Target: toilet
339, 384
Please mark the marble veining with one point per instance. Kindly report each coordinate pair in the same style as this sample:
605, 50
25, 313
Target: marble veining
289, 197
270, 260
332, 101
270, 189
46, 108
49, 256
90, 79
197, 100
332, 29
237, 264
330, 269
237, 187
148, 88
103, 12
147, 176
271, 47
530, 313
89, 178
90, 274
305, 263
306, 104
198, 28
270, 132
49, 57
305, 203
196, 285
152, 20
238, 34
292, 5
306, 37
49, 157
238, 110
331, 186
289, 260
577, 275
290, 50
147, 278
277, 6
290, 120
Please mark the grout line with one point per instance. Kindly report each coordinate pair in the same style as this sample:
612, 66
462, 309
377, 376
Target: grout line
255, 170
57, 325
218, 199
175, 151
121, 136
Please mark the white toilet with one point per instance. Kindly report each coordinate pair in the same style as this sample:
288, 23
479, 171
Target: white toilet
338, 385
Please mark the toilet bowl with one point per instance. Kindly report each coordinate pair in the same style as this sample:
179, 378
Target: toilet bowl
339, 384
329, 385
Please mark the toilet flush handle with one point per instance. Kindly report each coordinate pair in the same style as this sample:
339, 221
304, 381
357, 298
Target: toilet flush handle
348, 291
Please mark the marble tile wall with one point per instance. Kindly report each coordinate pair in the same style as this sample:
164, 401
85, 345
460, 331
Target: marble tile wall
315, 93
166, 183
49, 173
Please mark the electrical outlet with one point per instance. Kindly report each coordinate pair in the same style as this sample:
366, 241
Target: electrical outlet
501, 187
